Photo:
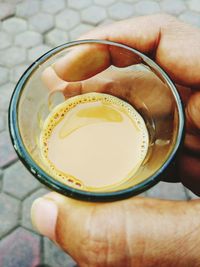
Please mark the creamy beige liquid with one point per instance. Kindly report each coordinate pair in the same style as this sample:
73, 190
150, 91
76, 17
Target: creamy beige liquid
94, 141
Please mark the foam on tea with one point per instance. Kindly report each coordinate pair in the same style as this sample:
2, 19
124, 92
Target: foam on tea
94, 141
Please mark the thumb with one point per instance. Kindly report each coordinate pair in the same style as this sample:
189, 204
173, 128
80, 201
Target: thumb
44, 213
65, 221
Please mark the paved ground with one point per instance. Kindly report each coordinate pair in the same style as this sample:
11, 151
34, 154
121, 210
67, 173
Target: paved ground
28, 29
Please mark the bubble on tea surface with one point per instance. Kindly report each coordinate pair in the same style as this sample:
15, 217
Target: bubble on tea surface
63, 110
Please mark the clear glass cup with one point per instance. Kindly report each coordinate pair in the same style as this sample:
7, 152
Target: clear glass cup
127, 74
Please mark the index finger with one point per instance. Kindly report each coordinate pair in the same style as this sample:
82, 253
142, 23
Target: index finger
175, 46
87, 60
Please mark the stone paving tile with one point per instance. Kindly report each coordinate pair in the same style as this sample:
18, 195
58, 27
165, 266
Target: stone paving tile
13, 1
56, 37
173, 7
26, 207
107, 22
14, 25
27, 8
37, 51
1, 178
41, 22
173, 191
104, 2
9, 215
67, 19
21, 248
134, 1
53, 6
7, 153
77, 4
18, 182
120, 10
12, 56
93, 14
2, 121
3, 75
6, 91
5, 40
6, 10
190, 17
194, 5
79, 30
146, 7
16, 72
28, 39
55, 257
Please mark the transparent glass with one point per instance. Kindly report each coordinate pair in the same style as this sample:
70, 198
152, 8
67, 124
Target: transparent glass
127, 74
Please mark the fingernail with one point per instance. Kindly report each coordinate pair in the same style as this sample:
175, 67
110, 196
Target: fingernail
44, 214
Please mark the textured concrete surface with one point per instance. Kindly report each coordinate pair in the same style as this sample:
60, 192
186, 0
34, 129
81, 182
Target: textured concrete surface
29, 28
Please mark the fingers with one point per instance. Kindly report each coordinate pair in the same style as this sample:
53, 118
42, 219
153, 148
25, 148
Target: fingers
87, 60
141, 33
178, 52
192, 142
185, 93
132, 86
52, 81
173, 44
189, 159
189, 169
191, 102
193, 113
189, 166
82, 62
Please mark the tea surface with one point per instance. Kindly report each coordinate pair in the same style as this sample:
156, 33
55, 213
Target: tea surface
94, 141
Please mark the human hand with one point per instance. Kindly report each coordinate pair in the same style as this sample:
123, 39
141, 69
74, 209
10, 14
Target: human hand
133, 232
136, 231
174, 45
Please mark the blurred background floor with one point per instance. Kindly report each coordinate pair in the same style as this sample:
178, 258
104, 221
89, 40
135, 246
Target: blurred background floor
28, 28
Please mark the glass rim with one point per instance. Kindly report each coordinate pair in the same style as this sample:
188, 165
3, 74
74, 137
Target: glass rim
51, 182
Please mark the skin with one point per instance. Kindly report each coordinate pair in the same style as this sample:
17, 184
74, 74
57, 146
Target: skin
137, 231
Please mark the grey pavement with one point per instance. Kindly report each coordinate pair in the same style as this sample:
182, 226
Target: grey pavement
29, 28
